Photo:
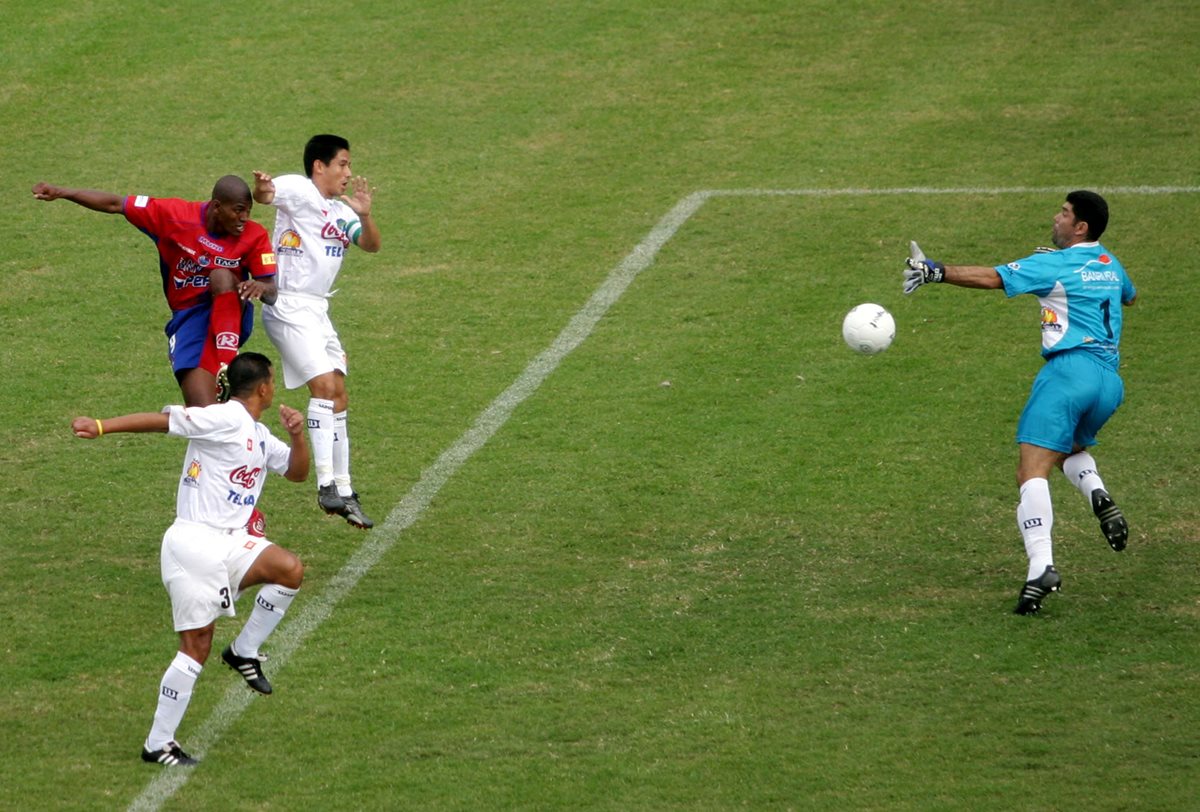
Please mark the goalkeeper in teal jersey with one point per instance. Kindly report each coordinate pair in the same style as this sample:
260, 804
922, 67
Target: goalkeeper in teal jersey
1082, 289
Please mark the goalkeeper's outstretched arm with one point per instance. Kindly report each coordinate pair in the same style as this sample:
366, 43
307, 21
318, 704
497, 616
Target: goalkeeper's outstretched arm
921, 270
973, 276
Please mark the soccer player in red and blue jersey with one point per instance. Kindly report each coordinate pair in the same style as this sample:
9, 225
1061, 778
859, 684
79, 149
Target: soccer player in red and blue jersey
214, 262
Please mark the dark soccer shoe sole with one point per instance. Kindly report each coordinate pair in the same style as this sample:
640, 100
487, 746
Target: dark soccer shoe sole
1112, 520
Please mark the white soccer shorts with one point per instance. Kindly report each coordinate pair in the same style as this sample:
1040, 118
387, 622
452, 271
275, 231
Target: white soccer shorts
300, 329
203, 568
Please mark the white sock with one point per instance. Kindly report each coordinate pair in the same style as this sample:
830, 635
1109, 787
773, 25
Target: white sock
1080, 469
341, 454
174, 693
320, 432
1035, 518
270, 605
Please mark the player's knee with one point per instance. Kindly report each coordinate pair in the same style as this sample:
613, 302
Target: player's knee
323, 386
292, 574
221, 280
197, 643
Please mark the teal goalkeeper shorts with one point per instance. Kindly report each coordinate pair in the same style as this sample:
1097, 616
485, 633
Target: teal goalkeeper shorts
1072, 398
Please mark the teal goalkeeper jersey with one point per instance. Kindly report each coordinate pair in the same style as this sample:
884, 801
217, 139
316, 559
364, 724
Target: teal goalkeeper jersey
1081, 290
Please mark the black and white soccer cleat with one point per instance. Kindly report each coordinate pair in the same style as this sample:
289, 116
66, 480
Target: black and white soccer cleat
353, 513
171, 755
1112, 520
329, 500
249, 667
1036, 590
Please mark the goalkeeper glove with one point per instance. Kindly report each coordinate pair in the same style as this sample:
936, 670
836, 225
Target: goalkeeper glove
921, 270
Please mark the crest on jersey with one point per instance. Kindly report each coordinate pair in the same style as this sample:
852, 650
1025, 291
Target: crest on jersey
289, 244
1050, 320
192, 475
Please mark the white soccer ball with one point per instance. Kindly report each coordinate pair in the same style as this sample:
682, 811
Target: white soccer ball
869, 328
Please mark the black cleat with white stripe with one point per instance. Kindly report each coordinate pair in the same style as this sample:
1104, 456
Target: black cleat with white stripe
353, 513
1112, 520
249, 667
171, 755
1036, 590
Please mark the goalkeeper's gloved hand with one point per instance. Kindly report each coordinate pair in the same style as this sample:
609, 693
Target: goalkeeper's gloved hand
921, 270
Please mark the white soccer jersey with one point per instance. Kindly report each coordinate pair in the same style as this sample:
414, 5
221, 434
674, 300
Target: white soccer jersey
228, 456
312, 233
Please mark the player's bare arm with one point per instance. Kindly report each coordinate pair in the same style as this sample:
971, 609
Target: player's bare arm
264, 290
223, 280
973, 276
264, 188
298, 463
370, 240
921, 270
91, 428
88, 198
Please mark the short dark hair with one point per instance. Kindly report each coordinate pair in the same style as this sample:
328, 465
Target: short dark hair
1092, 209
247, 371
323, 148
231, 189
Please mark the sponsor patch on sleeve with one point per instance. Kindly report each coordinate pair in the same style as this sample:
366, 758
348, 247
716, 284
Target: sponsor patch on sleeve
268, 259
141, 201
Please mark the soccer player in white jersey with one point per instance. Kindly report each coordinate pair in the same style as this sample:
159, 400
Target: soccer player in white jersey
1082, 288
315, 224
208, 555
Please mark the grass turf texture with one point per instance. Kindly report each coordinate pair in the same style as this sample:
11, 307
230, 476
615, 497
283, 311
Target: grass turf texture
782, 581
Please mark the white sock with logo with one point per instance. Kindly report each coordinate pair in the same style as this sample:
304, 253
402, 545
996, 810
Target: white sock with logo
320, 432
270, 605
341, 454
174, 693
1080, 469
1035, 518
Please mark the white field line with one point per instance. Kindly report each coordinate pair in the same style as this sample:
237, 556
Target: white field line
962, 190
312, 613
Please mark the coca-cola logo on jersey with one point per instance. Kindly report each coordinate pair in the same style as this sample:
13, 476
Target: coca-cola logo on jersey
332, 232
246, 477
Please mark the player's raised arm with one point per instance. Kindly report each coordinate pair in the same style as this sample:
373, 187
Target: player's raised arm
264, 188
298, 463
921, 270
369, 239
106, 202
92, 428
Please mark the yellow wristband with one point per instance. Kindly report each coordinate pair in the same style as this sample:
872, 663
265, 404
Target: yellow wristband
99, 428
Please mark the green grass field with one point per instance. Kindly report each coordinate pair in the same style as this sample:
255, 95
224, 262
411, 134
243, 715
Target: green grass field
713, 560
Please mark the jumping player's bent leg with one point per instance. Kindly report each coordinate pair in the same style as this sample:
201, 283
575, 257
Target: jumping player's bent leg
282, 573
1080, 470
